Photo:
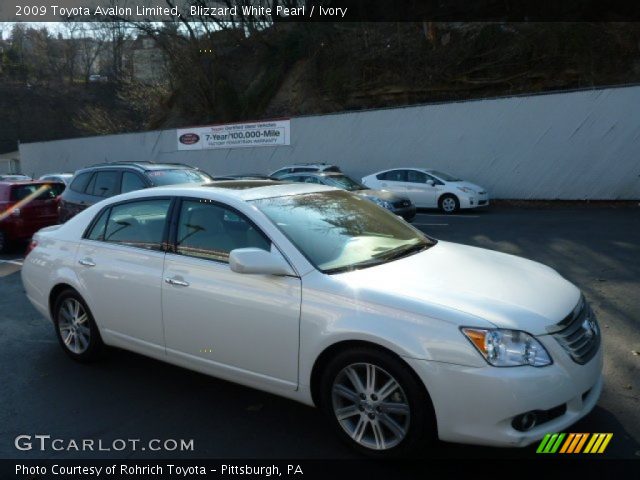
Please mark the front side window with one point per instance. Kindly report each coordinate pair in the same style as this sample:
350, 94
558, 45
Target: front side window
444, 176
344, 182
131, 182
414, 176
340, 231
210, 231
136, 224
311, 180
104, 184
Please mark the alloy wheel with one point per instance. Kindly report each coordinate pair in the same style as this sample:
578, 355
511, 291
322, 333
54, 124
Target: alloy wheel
371, 406
73, 324
448, 204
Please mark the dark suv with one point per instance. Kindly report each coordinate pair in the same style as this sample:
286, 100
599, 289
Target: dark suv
93, 184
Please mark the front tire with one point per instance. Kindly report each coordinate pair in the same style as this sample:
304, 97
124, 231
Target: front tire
449, 204
76, 329
376, 404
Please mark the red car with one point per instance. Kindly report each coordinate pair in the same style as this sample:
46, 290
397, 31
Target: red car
25, 208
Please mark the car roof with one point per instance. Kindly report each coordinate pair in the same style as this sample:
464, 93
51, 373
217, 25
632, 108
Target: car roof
243, 190
310, 165
143, 166
314, 174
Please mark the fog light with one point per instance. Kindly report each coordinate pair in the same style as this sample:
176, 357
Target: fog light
525, 422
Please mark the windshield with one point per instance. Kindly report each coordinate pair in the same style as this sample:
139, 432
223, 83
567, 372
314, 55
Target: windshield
338, 231
444, 176
344, 182
174, 177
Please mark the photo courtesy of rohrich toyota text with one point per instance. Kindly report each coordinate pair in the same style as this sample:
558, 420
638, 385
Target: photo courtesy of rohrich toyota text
319, 238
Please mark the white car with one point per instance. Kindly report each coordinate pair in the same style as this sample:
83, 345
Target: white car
429, 188
321, 296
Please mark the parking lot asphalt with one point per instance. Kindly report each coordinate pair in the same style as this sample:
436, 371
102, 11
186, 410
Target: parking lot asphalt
127, 396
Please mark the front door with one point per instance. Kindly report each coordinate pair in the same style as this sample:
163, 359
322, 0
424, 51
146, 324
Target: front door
242, 327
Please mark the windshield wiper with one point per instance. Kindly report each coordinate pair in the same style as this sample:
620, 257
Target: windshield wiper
356, 266
403, 251
384, 257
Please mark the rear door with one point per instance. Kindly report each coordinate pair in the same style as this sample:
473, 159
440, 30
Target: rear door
394, 181
120, 262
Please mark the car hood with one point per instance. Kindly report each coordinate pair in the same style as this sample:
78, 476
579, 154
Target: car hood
381, 194
452, 279
472, 186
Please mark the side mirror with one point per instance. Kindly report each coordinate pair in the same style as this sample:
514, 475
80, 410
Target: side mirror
431, 182
258, 261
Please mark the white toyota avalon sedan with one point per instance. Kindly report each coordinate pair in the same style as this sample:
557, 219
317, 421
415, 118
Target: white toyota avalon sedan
429, 188
321, 296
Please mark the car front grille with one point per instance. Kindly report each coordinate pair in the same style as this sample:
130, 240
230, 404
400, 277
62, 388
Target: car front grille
579, 333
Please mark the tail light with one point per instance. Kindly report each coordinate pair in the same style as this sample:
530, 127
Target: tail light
32, 245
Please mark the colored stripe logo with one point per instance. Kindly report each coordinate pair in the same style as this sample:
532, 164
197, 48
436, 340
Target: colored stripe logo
574, 443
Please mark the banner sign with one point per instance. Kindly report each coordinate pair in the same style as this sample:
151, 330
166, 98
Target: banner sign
235, 135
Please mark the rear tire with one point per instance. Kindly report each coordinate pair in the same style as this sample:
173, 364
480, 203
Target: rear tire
76, 329
449, 204
376, 404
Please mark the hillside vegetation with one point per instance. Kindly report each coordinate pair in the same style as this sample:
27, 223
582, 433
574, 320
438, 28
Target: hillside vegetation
302, 69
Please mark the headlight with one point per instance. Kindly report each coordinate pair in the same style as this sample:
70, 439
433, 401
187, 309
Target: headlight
380, 202
508, 348
465, 189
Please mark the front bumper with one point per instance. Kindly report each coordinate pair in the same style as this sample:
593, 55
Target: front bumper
474, 201
477, 405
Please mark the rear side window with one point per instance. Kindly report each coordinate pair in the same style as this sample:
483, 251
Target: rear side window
105, 184
303, 169
131, 182
80, 182
40, 191
137, 224
393, 176
333, 168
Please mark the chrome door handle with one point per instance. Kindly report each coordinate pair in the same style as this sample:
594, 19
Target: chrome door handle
86, 263
178, 283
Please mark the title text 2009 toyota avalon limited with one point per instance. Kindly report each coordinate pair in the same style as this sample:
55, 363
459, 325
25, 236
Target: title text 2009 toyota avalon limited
323, 297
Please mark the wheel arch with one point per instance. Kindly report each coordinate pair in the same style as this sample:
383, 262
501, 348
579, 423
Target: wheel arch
330, 351
55, 293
